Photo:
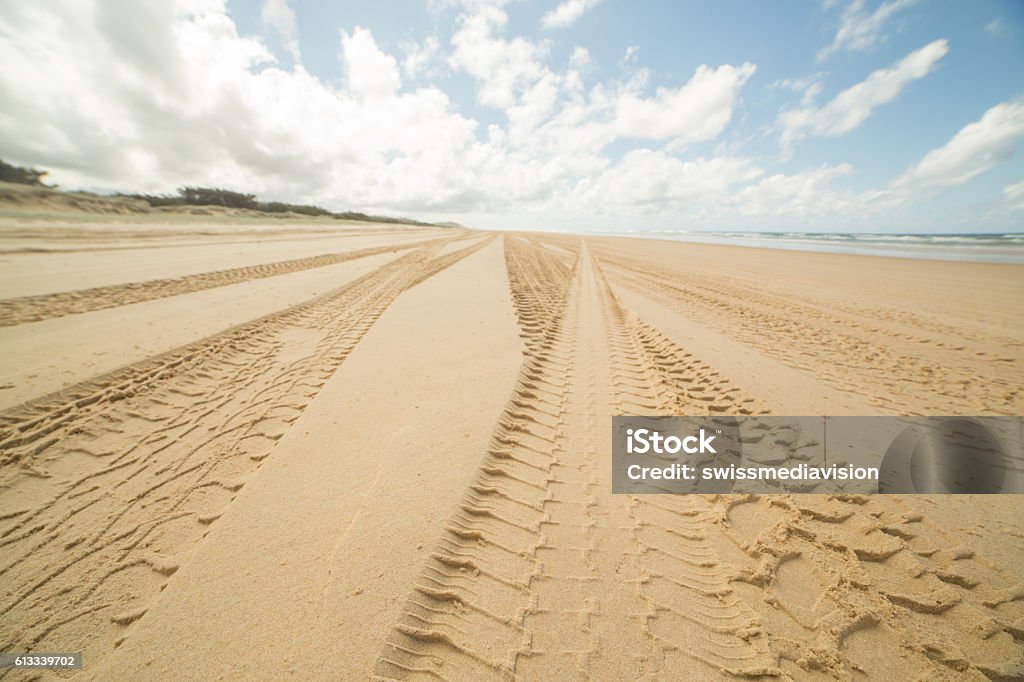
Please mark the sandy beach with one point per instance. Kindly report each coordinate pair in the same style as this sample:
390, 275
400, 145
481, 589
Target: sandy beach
346, 451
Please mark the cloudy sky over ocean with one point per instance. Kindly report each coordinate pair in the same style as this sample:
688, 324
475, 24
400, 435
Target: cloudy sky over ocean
901, 115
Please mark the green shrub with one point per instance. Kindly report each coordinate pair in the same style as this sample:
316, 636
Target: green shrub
22, 176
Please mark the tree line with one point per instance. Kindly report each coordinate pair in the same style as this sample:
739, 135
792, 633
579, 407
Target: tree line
212, 196
206, 196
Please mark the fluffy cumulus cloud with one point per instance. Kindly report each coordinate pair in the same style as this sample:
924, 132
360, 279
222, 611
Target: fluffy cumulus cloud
421, 58
370, 73
148, 96
651, 179
503, 68
566, 13
854, 105
975, 149
807, 194
698, 110
189, 100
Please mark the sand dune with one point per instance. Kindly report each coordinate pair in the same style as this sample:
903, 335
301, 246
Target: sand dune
406, 475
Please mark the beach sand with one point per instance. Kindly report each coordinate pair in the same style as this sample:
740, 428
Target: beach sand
352, 451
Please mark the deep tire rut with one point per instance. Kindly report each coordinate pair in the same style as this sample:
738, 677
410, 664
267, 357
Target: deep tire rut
542, 573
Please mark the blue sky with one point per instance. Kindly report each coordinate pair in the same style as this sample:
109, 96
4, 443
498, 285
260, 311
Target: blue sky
900, 115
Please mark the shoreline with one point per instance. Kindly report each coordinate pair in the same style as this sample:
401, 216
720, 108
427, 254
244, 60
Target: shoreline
1010, 254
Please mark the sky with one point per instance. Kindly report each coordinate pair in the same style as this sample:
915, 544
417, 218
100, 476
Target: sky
606, 115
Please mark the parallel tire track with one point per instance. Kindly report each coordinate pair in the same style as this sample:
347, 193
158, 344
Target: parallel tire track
463, 619
842, 351
143, 460
696, 623
826, 584
15, 311
541, 573
446, 260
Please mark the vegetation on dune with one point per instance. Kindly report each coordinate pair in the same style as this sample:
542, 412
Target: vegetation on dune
19, 175
188, 197
207, 196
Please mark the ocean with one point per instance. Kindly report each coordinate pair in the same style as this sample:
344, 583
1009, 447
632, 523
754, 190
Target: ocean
982, 248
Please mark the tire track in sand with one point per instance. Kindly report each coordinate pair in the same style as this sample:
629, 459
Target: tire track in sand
840, 347
15, 311
468, 603
108, 485
840, 585
542, 573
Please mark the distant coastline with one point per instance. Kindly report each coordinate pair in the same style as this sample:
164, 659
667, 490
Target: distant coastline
980, 248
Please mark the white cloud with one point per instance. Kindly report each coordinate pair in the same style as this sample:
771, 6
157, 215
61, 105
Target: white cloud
648, 178
580, 58
421, 58
853, 106
566, 13
804, 195
194, 102
725, 191
503, 68
1014, 195
975, 149
148, 96
995, 27
442, 6
279, 15
512, 75
859, 29
697, 110
809, 87
369, 72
